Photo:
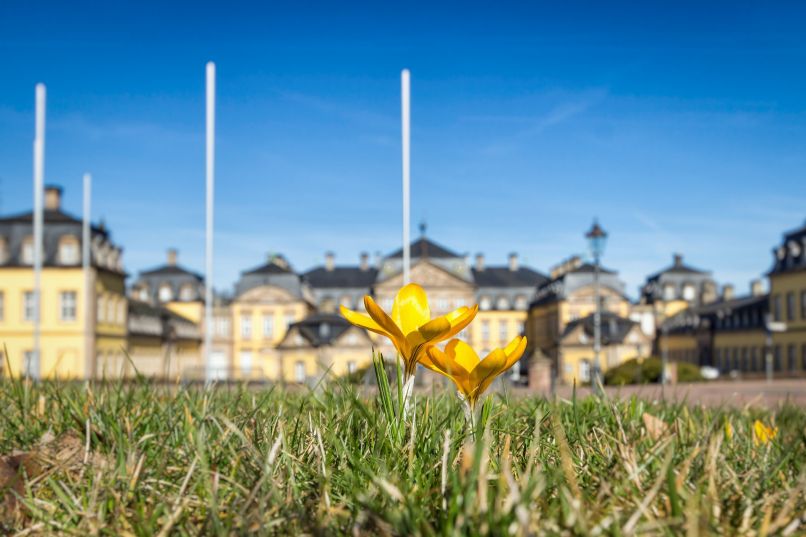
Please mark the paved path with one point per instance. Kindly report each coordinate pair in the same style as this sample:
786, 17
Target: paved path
735, 393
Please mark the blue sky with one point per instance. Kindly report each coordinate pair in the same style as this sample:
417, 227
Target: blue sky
683, 128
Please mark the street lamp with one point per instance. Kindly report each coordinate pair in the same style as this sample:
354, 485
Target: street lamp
597, 238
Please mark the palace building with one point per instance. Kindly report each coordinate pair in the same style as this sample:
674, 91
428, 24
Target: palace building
83, 316
788, 301
560, 325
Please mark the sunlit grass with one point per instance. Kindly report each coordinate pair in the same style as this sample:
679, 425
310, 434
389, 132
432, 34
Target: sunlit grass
185, 460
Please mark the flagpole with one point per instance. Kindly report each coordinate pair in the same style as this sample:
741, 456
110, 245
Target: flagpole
210, 179
85, 266
405, 120
34, 366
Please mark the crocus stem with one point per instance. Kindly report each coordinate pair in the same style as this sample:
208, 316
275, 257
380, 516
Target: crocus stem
470, 417
408, 388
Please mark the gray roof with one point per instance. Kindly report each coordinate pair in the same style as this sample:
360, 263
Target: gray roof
613, 327
341, 277
423, 247
505, 277
712, 314
172, 270
321, 329
145, 319
791, 254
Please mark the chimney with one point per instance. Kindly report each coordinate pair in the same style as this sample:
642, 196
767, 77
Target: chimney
756, 288
330, 261
172, 255
53, 198
364, 265
727, 292
479, 262
513, 261
678, 260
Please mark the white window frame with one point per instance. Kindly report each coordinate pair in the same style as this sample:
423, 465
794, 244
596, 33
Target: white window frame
246, 362
68, 306
246, 326
503, 332
299, 371
268, 325
28, 306
69, 251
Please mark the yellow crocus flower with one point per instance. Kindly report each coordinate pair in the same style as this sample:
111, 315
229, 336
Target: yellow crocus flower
410, 327
472, 375
762, 434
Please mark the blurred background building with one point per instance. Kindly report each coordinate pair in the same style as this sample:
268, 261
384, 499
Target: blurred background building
280, 324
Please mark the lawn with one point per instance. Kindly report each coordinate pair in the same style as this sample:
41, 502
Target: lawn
142, 459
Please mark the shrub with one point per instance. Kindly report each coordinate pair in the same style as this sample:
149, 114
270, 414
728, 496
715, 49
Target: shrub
648, 370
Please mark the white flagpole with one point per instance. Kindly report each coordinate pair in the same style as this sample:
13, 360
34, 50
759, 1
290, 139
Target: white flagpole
208, 269
85, 266
405, 119
33, 367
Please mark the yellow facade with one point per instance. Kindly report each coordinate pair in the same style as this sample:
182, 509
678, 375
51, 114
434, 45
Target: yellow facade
495, 329
742, 350
788, 300
70, 340
260, 319
193, 310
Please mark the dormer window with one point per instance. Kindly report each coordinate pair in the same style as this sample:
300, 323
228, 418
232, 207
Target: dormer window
521, 303
668, 292
689, 292
187, 292
68, 250
142, 293
502, 303
485, 303
165, 293
27, 252
3, 250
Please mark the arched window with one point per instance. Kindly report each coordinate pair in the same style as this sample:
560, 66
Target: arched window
689, 292
328, 304
68, 250
485, 303
27, 252
165, 293
142, 292
346, 301
521, 303
187, 292
668, 292
502, 303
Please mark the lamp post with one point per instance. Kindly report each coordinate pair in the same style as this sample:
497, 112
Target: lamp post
597, 238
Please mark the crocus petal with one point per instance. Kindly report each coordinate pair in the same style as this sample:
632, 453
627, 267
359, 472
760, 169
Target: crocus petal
485, 372
410, 309
514, 351
386, 323
459, 319
462, 355
363, 321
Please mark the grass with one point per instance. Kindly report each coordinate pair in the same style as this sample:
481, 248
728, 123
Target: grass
139, 459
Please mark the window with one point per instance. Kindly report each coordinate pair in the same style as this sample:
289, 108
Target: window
346, 301
67, 300
2, 306
166, 294
187, 292
803, 357
791, 357
68, 250
28, 363
142, 293
503, 332
299, 371
718, 359
27, 254
584, 371
246, 362
502, 303
246, 326
745, 366
803, 305
222, 326
289, 318
668, 292
521, 303
460, 302
268, 325
121, 311
776, 308
485, 330
110, 310
754, 359
101, 308
689, 292
3, 250
386, 304
442, 304
776, 358
790, 306
28, 306
521, 328
485, 303
351, 367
